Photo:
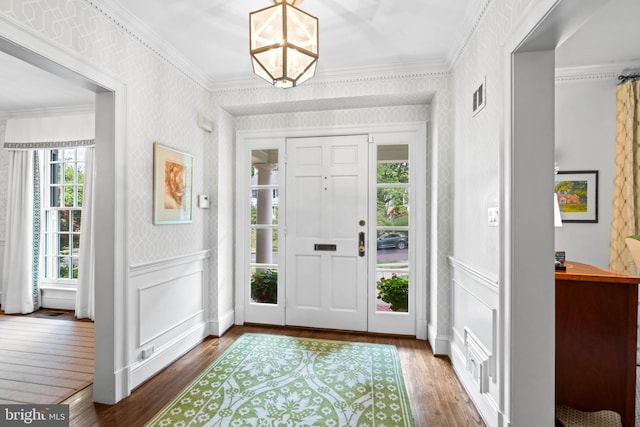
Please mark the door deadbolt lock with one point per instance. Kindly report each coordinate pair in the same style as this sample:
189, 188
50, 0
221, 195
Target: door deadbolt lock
361, 244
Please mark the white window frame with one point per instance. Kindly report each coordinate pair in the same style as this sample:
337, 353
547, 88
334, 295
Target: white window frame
50, 215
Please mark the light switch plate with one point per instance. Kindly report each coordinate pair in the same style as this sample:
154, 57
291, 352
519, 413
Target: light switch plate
203, 201
494, 217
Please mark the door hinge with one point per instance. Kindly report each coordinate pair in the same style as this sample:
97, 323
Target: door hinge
370, 138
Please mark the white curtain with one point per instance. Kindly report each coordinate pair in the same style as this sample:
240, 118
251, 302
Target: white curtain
85, 306
18, 269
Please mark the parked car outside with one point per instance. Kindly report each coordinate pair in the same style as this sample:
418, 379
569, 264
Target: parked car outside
392, 241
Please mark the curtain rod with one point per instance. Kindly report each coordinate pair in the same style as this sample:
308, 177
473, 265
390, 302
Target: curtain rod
623, 78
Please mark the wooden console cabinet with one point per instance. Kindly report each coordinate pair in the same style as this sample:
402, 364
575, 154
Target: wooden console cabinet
596, 328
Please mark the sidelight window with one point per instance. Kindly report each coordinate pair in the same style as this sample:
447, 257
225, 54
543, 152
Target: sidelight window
393, 215
264, 226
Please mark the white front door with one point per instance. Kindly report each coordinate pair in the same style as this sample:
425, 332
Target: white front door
326, 260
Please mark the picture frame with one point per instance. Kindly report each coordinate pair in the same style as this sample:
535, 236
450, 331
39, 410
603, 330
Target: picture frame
577, 193
172, 185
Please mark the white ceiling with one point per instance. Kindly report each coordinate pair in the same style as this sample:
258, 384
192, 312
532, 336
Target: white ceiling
24, 87
208, 39
211, 37
610, 39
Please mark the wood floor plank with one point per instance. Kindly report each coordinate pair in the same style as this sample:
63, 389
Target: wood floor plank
49, 361
61, 329
34, 389
17, 396
48, 337
47, 372
36, 320
44, 361
32, 378
61, 349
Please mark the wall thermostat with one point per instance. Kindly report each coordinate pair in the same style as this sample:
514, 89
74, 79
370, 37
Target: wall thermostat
203, 201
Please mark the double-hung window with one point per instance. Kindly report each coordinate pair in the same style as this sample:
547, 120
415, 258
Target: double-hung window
62, 200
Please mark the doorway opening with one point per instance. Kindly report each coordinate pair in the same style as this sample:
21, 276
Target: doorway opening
324, 225
109, 218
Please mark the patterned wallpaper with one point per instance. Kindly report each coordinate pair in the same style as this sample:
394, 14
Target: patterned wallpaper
476, 145
333, 118
162, 105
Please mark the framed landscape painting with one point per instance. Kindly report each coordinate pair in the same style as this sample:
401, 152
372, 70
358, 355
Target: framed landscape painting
172, 185
577, 193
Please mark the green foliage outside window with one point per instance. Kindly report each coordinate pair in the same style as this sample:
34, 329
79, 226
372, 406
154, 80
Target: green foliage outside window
64, 272
394, 173
394, 291
264, 286
392, 209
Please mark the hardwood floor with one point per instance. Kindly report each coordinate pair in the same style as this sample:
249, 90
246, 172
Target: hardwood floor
437, 397
44, 360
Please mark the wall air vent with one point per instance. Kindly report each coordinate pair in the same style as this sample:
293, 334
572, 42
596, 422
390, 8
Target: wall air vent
479, 97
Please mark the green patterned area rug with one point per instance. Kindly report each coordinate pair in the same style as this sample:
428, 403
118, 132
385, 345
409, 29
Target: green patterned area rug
273, 380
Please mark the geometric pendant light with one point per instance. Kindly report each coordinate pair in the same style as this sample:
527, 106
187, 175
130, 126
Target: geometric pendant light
283, 43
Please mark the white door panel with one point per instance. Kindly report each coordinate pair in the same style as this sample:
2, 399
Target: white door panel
327, 279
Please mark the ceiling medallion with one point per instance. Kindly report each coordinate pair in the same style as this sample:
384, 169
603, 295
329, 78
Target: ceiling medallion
283, 43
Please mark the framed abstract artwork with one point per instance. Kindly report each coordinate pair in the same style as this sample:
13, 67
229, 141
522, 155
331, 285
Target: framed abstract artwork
577, 193
172, 185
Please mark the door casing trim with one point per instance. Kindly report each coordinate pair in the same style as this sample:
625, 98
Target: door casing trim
277, 137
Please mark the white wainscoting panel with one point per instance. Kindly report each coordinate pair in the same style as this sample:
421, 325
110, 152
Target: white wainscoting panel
167, 312
167, 304
475, 302
58, 297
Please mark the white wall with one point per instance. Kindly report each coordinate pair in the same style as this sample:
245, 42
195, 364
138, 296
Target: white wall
585, 140
478, 340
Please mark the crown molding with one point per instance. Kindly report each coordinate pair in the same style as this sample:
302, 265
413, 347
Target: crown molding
471, 23
141, 32
343, 75
596, 72
48, 111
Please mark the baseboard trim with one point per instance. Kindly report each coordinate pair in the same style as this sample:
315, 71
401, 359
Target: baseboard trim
422, 330
218, 327
484, 402
142, 370
440, 344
